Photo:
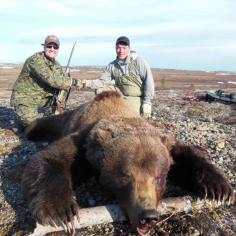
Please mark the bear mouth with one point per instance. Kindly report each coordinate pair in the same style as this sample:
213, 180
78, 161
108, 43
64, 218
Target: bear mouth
145, 226
143, 229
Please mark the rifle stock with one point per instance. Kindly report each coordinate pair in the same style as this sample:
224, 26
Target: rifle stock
61, 93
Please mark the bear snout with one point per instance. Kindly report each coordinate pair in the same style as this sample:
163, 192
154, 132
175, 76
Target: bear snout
147, 220
148, 215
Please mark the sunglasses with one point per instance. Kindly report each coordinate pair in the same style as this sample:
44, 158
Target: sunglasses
52, 46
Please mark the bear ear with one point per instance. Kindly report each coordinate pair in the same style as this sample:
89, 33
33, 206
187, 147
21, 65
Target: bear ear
168, 141
102, 136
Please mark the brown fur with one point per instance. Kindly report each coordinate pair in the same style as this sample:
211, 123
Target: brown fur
132, 158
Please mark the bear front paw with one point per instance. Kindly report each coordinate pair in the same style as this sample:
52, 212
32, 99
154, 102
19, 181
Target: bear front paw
215, 187
57, 213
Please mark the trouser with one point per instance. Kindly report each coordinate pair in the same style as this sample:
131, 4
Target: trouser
134, 102
25, 113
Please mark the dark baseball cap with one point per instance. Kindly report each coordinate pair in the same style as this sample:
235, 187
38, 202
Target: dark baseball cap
51, 39
123, 40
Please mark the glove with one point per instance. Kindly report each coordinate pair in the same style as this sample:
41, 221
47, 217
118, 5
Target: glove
146, 110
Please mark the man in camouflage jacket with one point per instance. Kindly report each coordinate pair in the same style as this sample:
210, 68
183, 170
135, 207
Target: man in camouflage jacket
40, 77
130, 75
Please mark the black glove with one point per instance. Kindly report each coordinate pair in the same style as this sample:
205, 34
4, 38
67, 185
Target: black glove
74, 82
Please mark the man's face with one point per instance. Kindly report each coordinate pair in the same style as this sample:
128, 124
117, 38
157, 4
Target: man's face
51, 50
122, 51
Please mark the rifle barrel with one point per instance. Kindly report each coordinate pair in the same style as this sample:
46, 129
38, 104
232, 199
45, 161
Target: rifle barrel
60, 94
71, 53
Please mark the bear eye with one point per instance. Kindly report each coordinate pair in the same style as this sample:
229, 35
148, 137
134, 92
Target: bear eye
158, 180
127, 178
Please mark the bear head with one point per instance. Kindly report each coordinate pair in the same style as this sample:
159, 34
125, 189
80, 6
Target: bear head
133, 164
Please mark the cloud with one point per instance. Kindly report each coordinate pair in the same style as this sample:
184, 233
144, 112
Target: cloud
154, 27
7, 5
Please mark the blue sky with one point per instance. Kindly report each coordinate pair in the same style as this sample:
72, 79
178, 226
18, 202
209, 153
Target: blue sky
176, 34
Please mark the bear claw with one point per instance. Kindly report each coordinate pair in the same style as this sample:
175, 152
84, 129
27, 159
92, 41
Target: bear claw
206, 193
232, 198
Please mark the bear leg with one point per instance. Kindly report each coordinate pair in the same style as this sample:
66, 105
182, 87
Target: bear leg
192, 171
48, 128
47, 184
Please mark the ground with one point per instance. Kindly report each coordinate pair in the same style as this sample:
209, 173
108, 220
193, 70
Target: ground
177, 109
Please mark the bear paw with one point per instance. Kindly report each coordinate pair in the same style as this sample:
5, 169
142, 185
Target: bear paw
215, 187
57, 213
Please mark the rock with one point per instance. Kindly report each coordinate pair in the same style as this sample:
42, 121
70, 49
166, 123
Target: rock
198, 123
221, 145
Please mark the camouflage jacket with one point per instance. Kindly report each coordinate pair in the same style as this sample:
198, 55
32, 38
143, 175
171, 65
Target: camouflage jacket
38, 79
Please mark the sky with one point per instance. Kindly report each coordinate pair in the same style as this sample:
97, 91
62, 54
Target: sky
174, 34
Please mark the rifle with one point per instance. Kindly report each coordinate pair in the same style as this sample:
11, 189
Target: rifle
59, 94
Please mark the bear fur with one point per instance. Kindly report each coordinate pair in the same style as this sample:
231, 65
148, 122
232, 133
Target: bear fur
131, 158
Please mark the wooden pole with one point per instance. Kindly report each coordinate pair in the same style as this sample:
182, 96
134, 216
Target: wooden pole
113, 213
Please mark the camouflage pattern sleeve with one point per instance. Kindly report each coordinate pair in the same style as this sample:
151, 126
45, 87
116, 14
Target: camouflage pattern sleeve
49, 72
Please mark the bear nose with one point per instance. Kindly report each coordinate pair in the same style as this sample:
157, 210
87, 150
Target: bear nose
148, 216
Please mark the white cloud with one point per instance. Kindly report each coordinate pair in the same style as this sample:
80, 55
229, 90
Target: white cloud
163, 25
6, 5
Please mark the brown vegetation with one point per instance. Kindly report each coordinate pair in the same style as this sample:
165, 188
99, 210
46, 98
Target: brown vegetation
165, 79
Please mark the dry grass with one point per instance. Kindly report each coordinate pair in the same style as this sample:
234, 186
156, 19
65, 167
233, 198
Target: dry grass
164, 79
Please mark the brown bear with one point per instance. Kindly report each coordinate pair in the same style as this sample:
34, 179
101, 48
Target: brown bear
132, 159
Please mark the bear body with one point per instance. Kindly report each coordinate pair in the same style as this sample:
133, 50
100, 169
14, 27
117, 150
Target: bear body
131, 158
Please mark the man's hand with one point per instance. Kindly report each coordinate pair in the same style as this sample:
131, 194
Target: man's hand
146, 110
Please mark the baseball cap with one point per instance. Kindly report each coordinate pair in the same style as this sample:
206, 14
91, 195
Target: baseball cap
123, 40
51, 39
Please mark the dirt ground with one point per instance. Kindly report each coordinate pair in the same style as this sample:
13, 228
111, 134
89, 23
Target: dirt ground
164, 79
176, 109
